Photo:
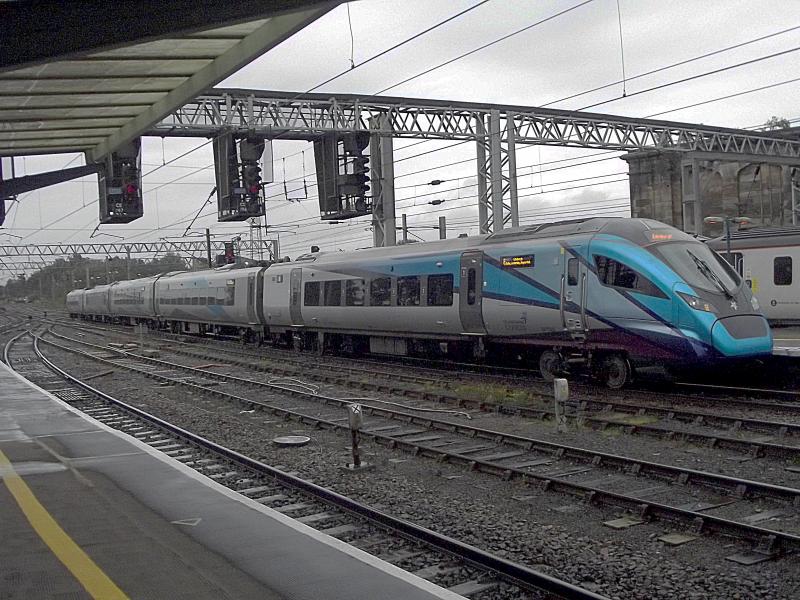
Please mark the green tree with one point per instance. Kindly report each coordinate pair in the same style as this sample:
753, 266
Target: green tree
777, 123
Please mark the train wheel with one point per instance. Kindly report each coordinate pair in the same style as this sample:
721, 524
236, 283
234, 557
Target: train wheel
615, 371
550, 365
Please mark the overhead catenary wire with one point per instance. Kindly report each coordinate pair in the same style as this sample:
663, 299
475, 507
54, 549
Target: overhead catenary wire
669, 66
487, 45
673, 65
621, 49
380, 54
763, 87
697, 76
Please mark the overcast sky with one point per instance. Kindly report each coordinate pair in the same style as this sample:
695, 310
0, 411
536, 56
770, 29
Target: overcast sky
573, 53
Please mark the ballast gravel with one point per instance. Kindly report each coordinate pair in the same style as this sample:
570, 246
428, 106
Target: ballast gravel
554, 533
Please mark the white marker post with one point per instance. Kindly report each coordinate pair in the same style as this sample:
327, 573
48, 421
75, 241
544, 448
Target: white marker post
356, 419
561, 393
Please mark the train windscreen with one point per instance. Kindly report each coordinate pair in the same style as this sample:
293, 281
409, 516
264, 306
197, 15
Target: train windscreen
699, 266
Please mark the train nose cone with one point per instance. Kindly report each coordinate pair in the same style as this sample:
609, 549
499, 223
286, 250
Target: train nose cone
742, 335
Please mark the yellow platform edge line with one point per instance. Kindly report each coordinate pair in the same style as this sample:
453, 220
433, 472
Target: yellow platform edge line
83, 568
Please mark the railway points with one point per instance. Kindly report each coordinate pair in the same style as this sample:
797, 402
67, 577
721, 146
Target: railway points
506, 457
437, 557
198, 424
110, 339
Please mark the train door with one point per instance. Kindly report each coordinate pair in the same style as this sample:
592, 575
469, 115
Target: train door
574, 288
295, 287
251, 297
470, 293
260, 298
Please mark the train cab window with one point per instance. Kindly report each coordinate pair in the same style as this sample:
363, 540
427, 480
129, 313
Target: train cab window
471, 291
613, 273
333, 293
782, 270
354, 292
408, 291
311, 296
440, 290
380, 291
572, 271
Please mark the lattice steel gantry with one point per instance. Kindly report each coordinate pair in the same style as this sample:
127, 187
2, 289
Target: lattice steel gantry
496, 130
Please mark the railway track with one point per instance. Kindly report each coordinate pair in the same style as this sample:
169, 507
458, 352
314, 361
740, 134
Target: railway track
535, 462
459, 567
737, 433
423, 369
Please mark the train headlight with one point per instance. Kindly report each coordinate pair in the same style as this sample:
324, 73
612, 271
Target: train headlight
754, 303
698, 303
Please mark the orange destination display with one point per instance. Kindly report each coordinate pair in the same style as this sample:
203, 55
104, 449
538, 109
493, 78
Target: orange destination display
517, 261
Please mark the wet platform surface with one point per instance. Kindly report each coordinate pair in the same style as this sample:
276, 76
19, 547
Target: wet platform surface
786, 341
87, 512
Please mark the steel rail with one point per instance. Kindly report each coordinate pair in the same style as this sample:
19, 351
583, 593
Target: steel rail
517, 573
7, 347
772, 540
503, 373
719, 481
756, 448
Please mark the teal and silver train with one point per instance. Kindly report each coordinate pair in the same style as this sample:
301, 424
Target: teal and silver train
606, 294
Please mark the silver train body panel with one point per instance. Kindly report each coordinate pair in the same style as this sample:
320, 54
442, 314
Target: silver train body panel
220, 297
768, 259
599, 285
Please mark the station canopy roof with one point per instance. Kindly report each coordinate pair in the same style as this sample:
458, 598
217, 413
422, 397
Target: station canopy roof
89, 77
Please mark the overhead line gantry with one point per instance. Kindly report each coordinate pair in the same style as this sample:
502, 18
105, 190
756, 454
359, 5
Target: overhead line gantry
496, 129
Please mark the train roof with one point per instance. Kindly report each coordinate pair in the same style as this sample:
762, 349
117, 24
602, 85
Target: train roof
759, 237
635, 230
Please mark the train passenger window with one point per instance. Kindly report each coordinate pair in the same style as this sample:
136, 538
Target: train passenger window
440, 290
471, 295
333, 293
613, 273
201, 300
380, 291
572, 271
230, 295
782, 270
312, 293
354, 292
194, 300
408, 291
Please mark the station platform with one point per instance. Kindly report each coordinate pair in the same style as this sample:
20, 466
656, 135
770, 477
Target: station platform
89, 512
786, 341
